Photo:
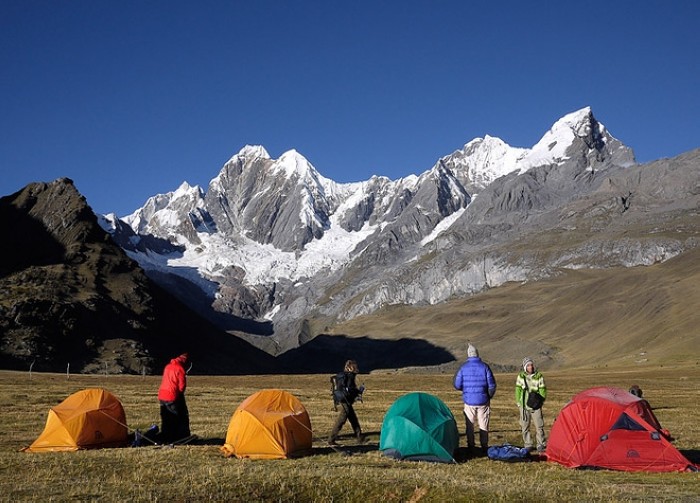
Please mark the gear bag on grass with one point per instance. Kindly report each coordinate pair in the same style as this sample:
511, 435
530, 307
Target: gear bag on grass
507, 452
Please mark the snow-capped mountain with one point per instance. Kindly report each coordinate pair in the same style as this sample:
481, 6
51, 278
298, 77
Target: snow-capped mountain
273, 241
256, 201
280, 218
483, 160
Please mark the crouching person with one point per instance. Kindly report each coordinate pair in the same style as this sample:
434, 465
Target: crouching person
175, 418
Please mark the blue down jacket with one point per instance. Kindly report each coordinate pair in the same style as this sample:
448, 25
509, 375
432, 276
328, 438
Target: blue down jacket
475, 379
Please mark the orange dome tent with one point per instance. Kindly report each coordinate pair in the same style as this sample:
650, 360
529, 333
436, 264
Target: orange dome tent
269, 424
88, 419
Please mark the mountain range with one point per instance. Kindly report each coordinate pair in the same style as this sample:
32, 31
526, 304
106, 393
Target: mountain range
277, 256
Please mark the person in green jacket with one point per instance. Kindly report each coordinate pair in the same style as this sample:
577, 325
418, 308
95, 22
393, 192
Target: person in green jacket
530, 381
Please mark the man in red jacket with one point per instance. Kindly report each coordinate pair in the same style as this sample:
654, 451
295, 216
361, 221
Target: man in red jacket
174, 415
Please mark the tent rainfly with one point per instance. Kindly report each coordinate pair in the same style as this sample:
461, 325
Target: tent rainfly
269, 424
88, 419
614, 429
419, 427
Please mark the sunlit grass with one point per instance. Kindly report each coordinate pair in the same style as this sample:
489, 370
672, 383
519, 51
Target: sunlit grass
199, 472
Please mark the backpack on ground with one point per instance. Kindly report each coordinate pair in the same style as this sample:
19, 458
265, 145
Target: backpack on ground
507, 452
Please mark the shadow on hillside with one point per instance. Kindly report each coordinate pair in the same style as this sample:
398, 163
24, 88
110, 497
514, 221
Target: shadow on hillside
328, 354
26, 242
149, 243
198, 297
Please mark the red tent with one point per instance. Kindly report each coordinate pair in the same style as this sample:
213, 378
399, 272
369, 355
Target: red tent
612, 428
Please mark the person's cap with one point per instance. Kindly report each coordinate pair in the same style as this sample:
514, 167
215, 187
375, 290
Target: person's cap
472, 351
636, 391
526, 361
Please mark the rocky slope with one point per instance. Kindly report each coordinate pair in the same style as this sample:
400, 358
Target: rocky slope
70, 298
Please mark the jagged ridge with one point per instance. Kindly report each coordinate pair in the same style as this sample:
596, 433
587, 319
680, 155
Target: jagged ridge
275, 241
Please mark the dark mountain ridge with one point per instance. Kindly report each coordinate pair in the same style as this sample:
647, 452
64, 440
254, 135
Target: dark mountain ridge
70, 298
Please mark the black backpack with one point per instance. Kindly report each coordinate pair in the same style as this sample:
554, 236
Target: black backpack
340, 388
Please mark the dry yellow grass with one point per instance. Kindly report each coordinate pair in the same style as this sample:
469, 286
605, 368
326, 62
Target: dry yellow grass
200, 473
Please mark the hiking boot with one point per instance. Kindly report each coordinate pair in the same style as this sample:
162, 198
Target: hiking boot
361, 439
332, 441
541, 448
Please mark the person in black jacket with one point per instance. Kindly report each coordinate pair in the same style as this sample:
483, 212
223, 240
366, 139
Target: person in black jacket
345, 392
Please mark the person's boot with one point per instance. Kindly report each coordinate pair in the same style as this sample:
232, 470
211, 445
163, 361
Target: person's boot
335, 431
333, 437
484, 440
470, 443
361, 439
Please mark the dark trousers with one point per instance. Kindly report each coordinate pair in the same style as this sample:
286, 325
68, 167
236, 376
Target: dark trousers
175, 420
346, 413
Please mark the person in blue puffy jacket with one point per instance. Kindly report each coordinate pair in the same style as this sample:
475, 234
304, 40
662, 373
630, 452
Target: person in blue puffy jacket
475, 379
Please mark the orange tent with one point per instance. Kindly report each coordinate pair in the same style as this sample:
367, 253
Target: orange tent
270, 424
88, 419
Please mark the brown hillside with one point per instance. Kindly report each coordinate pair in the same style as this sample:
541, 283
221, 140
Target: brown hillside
70, 298
632, 317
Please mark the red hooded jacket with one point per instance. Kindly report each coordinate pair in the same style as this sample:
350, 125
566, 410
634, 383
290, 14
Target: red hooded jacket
174, 380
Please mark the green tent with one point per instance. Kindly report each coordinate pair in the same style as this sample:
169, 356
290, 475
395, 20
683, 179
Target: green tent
419, 427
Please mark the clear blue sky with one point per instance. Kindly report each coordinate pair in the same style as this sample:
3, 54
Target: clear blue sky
131, 98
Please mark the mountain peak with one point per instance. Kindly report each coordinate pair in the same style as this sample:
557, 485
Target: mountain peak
253, 151
292, 162
553, 146
482, 160
186, 189
579, 123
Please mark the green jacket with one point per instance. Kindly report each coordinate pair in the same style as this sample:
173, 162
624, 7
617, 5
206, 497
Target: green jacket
525, 383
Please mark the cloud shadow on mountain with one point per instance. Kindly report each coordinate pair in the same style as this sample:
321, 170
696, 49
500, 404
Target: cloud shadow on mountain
328, 353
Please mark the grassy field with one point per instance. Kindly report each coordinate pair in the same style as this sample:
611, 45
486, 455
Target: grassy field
199, 472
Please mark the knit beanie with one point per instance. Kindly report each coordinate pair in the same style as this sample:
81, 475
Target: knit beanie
472, 351
526, 361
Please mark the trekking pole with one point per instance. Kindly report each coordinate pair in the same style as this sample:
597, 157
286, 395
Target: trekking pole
128, 428
361, 392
